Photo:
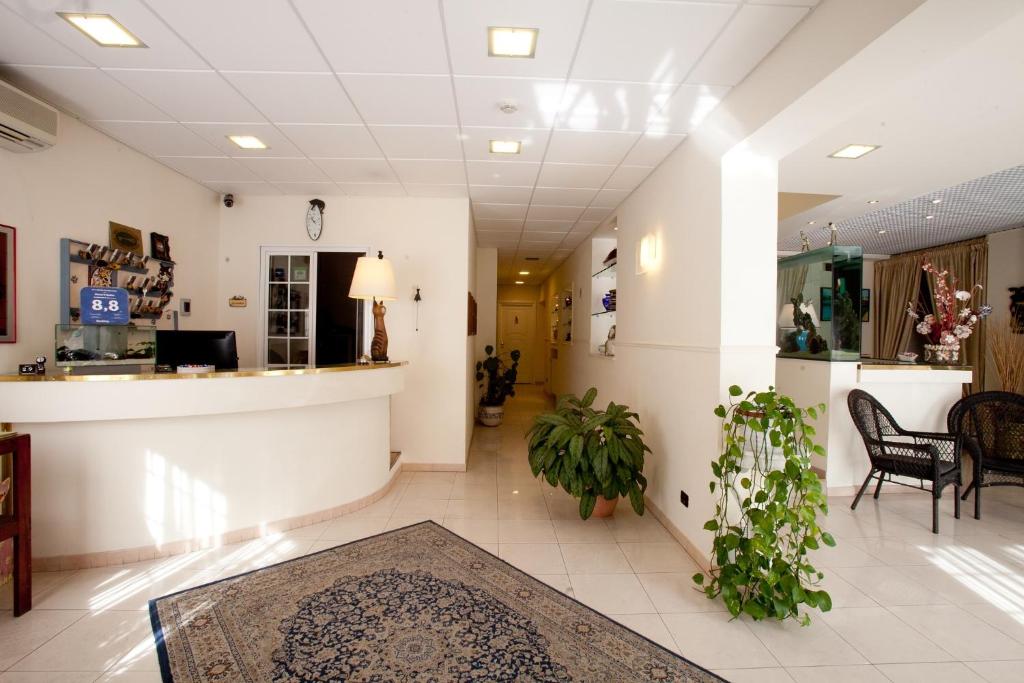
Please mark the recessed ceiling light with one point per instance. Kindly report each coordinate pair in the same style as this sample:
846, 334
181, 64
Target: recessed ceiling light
102, 29
524, 272
506, 146
929, 217
811, 222
872, 201
247, 141
937, 200
853, 151
511, 42
519, 282
881, 232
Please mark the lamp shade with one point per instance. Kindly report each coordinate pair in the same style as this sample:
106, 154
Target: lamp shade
373, 279
786, 315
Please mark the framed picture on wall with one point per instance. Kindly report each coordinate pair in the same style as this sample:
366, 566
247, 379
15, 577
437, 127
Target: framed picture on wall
126, 238
825, 295
160, 246
8, 285
865, 305
471, 327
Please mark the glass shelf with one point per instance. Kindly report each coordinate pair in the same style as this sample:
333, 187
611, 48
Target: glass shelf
607, 271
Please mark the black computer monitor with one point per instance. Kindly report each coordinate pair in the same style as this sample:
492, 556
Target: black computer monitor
197, 347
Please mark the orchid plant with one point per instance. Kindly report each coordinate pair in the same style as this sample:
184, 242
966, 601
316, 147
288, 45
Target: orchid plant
953, 319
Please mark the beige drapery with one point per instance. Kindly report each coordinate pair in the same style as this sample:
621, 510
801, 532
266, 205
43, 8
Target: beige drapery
967, 261
790, 283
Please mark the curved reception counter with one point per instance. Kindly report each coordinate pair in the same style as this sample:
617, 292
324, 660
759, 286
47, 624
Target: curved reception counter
132, 467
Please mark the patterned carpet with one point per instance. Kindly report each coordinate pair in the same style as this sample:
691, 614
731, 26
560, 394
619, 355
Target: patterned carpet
416, 604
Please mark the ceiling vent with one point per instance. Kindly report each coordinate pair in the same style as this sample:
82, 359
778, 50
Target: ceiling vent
26, 124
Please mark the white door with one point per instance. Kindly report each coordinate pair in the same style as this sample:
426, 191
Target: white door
517, 324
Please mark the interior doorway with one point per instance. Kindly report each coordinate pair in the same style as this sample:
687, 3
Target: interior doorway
517, 325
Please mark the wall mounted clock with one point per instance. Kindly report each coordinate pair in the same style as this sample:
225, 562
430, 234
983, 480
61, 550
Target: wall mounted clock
315, 218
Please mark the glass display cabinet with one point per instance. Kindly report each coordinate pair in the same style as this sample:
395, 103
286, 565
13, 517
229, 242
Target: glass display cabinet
89, 345
819, 304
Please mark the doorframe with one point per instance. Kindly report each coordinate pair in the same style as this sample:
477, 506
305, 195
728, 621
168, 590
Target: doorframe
269, 250
533, 342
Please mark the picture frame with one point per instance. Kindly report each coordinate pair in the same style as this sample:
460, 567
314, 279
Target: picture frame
825, 296
471, 308
160, 246
8, 284
865, 305
126, 238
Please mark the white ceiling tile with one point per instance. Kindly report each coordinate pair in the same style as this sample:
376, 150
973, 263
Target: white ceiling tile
217, 135
589, 147
609, 199
243, 34
559, 25
446, 172
574, 175
419, 142
307, 189
358, 170
88, 93
157, 139
373, 189
499, 211
241, 188
402, 99
429, 190
791, 3
285, 170
383, 36
503, 236
476, 141
585, 227
595, 214
687, 108
328, 140
628, 177
537, 101
189, 95
533, 225
210, 169
603, 105
485, 239
541, 249
652, 149
502, 225
517, 173
296, 98
568, 213
498, 194
165, 50
750, 36
563, 196
647, 42
23, 43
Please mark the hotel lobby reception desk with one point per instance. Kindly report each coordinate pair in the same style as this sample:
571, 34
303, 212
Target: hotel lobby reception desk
131, 467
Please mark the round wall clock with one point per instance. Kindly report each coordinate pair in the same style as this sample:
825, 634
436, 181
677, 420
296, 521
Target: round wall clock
315, 218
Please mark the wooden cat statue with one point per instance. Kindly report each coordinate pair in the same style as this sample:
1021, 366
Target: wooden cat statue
379, 345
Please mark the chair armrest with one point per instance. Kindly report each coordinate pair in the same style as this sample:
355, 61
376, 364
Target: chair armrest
932, 436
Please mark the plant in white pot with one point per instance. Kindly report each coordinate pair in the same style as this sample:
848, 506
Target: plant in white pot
595, 455
500, 384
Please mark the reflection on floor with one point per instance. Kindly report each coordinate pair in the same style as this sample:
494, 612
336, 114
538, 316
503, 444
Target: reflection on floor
909, 606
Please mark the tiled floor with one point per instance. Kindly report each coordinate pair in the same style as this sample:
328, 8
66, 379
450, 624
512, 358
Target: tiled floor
909, 606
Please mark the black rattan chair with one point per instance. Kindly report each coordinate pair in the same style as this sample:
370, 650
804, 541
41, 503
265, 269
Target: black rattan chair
991, 424
896, 451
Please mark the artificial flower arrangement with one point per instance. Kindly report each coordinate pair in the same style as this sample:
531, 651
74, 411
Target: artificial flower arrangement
954, 318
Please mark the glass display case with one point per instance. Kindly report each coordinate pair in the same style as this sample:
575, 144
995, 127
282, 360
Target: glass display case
819, 304
85, 345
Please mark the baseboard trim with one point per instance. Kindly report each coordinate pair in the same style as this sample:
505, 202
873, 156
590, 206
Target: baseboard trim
691, 549
434, 467
109, 558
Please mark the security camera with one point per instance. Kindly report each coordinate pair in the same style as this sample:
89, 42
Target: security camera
229, 200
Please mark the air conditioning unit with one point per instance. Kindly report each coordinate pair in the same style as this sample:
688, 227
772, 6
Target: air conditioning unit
26, 124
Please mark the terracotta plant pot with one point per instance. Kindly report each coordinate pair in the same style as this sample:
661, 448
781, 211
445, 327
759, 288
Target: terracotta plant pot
604, 507
491, 416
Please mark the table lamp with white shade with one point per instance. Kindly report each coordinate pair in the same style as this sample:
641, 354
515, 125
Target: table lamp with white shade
374, 280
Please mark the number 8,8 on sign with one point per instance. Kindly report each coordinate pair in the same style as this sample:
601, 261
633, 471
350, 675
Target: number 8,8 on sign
104, 306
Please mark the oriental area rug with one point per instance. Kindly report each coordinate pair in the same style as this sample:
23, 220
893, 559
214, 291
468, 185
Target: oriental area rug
416, 604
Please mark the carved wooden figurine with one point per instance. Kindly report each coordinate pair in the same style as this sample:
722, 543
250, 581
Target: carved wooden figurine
379, 345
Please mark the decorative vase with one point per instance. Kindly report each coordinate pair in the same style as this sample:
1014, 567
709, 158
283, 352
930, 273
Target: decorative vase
491, 416
604, 507
942, 354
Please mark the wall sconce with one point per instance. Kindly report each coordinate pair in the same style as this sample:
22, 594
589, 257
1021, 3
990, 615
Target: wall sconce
648, 254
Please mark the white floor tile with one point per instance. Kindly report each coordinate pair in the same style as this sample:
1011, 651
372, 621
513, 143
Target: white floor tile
594, 558
534, 558
650, 626
963, 635
647, 558
715, 641
676, 592
862, 673
525, 531
882, 637
611, 593
950, 672
95, 642
813, 645
20, 636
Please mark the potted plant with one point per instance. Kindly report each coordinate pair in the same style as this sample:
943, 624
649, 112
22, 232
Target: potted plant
768, 499
951, 320
501, 383
595, 455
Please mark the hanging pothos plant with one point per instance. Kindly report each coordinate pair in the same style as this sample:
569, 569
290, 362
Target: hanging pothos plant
768, 500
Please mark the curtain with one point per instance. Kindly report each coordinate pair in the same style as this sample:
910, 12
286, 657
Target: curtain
968, 262
897, 281
790, 283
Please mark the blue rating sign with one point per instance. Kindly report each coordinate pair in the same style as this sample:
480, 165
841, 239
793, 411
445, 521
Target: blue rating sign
104, 306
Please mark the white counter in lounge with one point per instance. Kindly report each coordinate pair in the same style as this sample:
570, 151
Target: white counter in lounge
128, 467
918, 396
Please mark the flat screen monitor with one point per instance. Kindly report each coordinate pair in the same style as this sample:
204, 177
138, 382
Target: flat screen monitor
197, 347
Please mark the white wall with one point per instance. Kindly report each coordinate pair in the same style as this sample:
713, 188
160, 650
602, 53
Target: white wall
470, 358
428, 241
1005, 269
73, 190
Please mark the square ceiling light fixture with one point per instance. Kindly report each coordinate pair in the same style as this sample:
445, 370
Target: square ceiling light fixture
511, 42
247, 141
102, 29
853, 151
505, 146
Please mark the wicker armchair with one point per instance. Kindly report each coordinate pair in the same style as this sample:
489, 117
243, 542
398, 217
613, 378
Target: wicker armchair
991, 424
896, 451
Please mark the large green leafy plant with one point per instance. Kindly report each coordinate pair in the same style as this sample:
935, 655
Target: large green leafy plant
768, 500
501, 377
590, 452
